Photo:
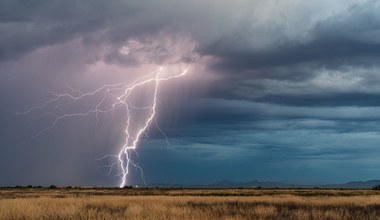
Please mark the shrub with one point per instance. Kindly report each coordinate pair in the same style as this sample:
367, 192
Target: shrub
52, 186
377, 187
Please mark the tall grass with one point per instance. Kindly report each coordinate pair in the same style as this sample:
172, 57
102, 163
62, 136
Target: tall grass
61, 205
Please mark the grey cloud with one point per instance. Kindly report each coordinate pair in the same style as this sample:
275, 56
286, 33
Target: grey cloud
351, 33
29, 25
344, 45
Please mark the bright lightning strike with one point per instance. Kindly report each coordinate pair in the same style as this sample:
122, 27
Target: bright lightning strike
120, 96
131, 142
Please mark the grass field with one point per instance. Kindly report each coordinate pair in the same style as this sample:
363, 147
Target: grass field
32, 203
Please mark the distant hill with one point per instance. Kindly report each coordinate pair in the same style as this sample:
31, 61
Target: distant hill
354, 185
263, 184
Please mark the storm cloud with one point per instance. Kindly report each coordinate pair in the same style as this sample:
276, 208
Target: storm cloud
283, 90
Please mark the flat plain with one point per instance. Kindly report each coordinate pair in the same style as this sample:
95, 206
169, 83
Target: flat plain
167, 203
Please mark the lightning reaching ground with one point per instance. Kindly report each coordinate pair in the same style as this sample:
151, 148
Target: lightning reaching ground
112, 97
131, 141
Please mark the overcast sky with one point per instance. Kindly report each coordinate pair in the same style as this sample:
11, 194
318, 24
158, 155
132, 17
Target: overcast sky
278, 90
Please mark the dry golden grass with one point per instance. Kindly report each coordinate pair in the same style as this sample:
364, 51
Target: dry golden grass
188, 204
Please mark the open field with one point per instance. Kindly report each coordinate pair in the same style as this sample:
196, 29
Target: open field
32, 203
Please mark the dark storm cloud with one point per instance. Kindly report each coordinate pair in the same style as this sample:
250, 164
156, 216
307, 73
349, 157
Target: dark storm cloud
286, 72
346, 99
334, 40
325, 52
29, 25
337, 40
296, 87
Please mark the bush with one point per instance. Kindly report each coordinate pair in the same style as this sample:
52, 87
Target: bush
53, 187
377, 187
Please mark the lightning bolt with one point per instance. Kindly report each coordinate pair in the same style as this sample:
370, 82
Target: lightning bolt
131, 142
120, 95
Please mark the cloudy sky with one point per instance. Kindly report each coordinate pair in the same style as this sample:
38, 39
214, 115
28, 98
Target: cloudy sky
278, 90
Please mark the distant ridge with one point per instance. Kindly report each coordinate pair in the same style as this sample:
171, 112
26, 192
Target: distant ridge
264, 184
355, 184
